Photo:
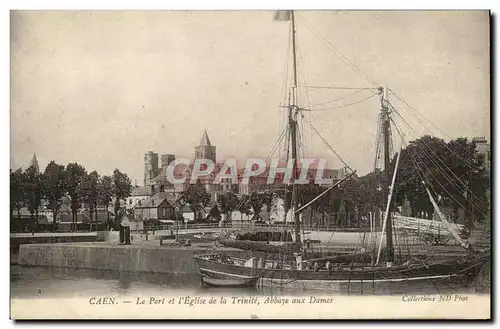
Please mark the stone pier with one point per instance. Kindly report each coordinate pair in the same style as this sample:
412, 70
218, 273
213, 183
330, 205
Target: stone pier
104, 256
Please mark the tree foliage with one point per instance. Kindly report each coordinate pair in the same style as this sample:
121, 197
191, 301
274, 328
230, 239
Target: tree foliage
256, 203
33, 190
54, 179
105, 194
90, 192
17, 191
196, 196
454, 173
245, 205
228, 202
122, 187
75, 176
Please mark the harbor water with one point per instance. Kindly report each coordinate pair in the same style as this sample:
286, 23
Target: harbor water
47, 282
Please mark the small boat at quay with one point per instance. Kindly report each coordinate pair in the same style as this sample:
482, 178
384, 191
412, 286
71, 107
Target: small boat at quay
208, 281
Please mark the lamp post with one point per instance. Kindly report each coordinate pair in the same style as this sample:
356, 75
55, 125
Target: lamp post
177, 209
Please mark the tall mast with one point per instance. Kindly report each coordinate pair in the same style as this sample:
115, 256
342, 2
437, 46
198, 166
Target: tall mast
387, 167
292, 121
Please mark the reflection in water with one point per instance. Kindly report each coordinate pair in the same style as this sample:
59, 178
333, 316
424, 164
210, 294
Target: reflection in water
44, 282
40, 282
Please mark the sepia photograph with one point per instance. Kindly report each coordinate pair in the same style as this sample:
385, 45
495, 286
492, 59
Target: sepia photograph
250, 164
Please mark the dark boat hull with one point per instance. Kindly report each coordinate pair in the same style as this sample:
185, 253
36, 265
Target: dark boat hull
459, 271
288, 248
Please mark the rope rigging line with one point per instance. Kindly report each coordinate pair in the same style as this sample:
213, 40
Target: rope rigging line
449, 180
434, 190
273, 149
421, 174
327, 144
458, 187
412, 109
478, 208
378, 145
373, 90
338, 53
337, 99
341, 106
285, 78
396, 189
307, 96
417, 112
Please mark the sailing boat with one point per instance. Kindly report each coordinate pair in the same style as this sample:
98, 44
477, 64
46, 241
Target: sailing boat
291, 268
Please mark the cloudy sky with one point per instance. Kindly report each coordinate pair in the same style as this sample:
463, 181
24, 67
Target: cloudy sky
103, 88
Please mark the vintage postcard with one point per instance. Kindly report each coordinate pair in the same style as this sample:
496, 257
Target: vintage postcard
250, 164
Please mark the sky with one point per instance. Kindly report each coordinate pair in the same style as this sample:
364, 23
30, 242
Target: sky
102, 88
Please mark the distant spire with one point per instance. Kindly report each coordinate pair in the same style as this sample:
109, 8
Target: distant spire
205, 141
34, 163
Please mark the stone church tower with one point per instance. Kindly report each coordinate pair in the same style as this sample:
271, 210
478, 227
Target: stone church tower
34, 163
151, 169
205, 150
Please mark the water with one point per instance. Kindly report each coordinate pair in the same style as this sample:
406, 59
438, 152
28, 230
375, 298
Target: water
43, 282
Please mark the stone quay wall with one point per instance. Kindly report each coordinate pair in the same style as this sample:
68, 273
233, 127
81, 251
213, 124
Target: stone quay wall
132, 258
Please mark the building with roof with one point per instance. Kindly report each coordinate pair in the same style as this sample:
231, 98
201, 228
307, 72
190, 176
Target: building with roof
138, 194
205, 150
34, 163
260, 182
193, 213
484, 148
22, 220
160, 206
151, 169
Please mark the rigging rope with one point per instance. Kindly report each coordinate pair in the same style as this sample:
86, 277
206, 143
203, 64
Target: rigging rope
273, 149
338, 99
338, 53
458, 187
412, 109
285, 78
421, 173
327, 144
340, 106
449, 193
373, 90
378, 146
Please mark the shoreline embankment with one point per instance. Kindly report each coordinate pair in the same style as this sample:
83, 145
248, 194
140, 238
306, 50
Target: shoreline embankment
145, 254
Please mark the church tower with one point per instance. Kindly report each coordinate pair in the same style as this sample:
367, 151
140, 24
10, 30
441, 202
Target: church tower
34, 163
150, 167
205, 150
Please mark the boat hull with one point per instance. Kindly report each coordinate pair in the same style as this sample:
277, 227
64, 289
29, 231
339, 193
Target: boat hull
229, 283
443, 276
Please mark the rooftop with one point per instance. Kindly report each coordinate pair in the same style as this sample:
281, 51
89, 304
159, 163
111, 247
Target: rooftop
158, 198
140, 191
205, 141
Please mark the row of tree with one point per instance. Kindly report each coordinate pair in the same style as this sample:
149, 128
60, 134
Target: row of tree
29, 187
196, 195
454, 172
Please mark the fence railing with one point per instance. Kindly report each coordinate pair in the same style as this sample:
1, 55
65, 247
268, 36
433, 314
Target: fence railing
174, 227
